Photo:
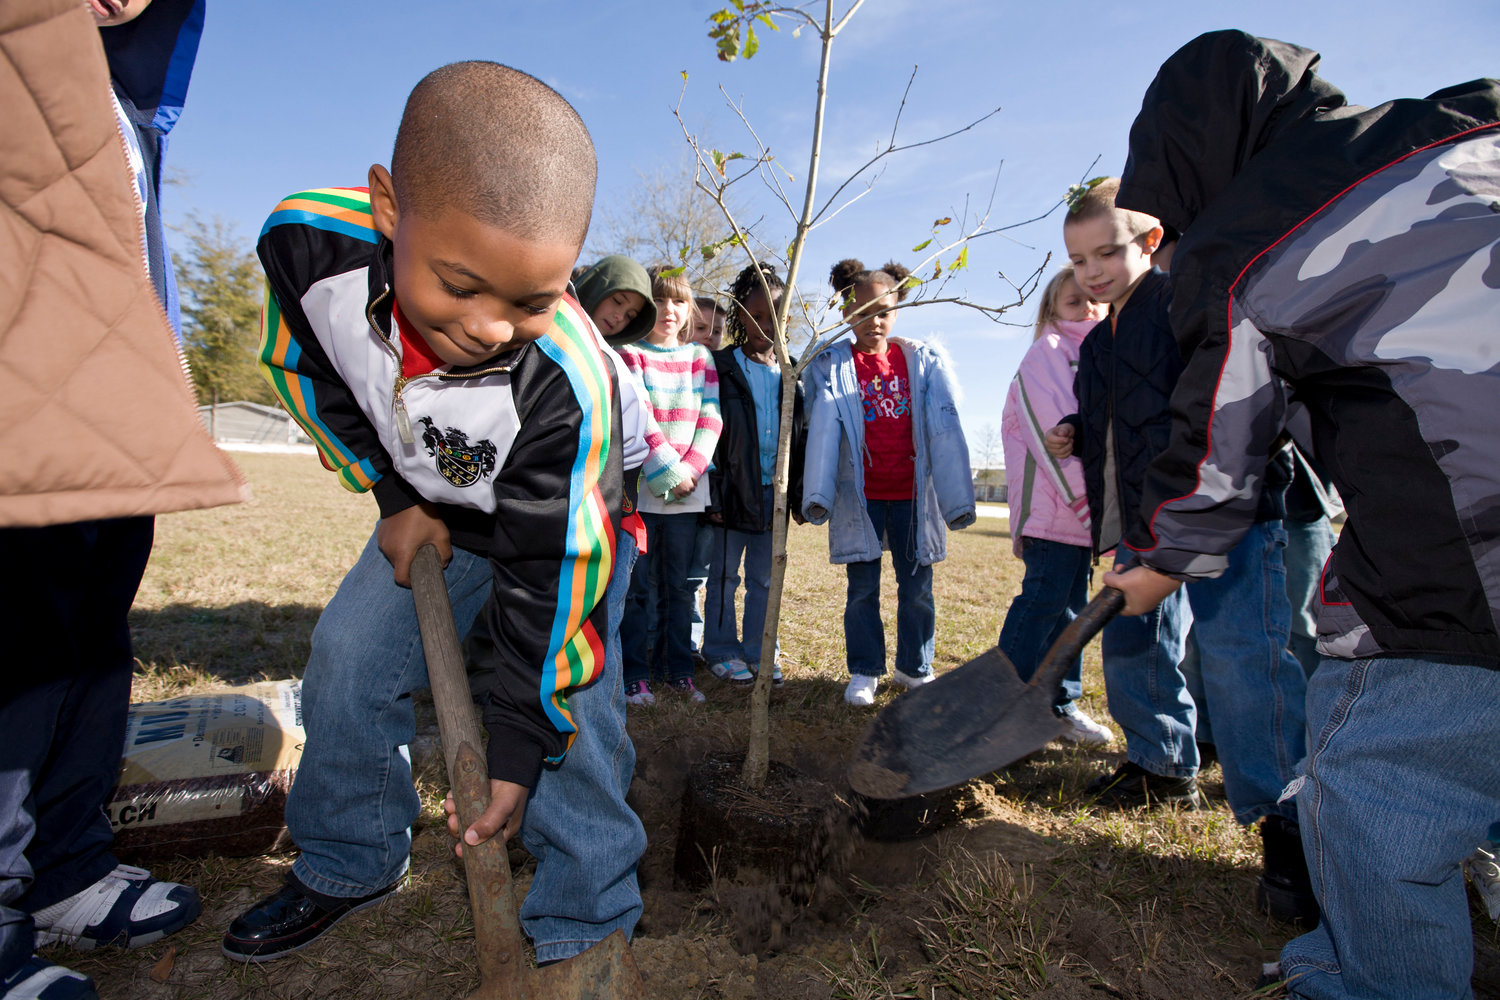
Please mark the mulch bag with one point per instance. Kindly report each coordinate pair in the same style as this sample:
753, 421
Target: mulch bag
208, 773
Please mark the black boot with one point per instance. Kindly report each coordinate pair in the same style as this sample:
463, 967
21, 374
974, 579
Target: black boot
1285, 889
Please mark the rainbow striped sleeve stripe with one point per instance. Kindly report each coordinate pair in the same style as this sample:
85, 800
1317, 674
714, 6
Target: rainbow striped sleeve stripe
279, 356
338, 210
575, 649
342, 210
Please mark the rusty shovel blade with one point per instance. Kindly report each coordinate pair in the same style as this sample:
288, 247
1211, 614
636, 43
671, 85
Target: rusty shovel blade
975, 719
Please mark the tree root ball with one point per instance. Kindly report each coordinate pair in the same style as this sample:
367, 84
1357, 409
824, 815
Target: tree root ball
726, 827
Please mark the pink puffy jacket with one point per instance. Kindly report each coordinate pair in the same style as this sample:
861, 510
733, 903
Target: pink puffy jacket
1046, 495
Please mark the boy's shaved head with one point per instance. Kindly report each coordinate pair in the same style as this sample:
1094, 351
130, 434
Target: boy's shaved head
499, 145
1099, 201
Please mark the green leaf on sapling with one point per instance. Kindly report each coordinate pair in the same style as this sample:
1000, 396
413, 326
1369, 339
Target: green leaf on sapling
961, 262
752, 44
922, 246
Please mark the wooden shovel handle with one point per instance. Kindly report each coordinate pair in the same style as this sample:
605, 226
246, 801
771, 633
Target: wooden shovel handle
1095, 615
497, 928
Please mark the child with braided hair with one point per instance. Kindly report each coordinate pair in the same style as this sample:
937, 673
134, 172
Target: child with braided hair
887, 467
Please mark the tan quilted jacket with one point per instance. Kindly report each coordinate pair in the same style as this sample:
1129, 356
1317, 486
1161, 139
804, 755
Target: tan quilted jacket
96, 416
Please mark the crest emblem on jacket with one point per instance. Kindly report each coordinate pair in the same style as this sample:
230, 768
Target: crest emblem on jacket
458, 461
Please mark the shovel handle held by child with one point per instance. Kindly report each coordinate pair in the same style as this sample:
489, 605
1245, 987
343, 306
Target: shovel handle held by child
497, 928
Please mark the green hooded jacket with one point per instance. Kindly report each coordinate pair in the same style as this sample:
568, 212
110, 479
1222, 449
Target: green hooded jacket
618, 274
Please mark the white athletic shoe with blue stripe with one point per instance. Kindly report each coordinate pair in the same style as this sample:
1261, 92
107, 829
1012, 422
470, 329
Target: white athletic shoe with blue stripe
127, 907
39, 979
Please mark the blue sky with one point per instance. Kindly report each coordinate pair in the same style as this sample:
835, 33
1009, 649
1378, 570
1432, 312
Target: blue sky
289, 95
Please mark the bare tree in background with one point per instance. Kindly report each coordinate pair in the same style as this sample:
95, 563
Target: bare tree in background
663, 214
988, 450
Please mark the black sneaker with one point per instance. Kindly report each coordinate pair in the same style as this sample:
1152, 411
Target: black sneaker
291, 919
1285, 889
1132, 785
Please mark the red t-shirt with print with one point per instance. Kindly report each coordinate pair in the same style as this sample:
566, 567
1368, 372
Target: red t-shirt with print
890, 458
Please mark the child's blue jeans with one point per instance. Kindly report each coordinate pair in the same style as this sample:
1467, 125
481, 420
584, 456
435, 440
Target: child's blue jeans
1053, 591
1402, 782
1147, 693
351, 807
670, 540
916, 615
1253, 688
722, 635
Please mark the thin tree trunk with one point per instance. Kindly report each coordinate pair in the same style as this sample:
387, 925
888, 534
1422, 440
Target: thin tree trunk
758, 748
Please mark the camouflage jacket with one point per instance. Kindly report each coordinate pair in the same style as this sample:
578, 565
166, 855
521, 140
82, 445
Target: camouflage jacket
1349, 259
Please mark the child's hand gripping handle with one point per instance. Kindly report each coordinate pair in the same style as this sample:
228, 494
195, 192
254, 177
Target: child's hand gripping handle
497, 929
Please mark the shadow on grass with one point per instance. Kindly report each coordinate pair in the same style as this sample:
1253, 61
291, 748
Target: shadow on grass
243, 642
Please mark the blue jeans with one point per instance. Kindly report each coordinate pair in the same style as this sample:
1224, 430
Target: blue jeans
352, 803
1308, 544
1192, 672
1053, 591
698, 571
619, 589
1253, 688
670, 540
916, 615
1147, 693
1402, 781
723, 638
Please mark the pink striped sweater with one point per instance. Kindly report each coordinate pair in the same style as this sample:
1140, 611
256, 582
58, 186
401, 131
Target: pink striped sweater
684, 389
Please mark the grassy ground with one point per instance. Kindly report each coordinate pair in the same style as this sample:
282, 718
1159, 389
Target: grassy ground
1034, 893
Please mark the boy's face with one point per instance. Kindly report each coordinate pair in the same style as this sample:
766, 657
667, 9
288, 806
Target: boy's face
617, 311
470, 289
1107, 261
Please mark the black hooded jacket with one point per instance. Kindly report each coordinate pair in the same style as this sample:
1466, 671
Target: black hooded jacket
1348, 259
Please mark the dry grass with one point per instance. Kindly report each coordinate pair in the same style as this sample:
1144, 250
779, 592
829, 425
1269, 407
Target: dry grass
1034, 893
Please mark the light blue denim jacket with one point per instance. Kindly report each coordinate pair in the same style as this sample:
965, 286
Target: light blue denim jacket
834, 484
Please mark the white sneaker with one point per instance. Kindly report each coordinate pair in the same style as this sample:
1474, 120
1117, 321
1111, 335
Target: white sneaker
861, 690
39, 979
913, 680
1484, 870
126, 907
735, 671
1082, 729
